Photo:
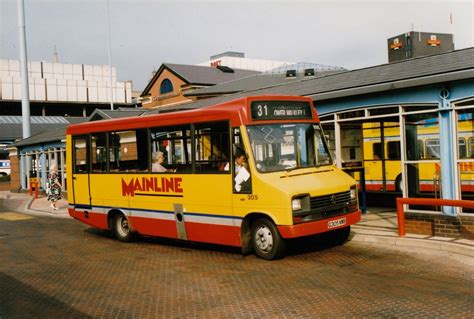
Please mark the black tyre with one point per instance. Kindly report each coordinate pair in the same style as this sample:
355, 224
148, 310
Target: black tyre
266, 240
121, 228
340, 236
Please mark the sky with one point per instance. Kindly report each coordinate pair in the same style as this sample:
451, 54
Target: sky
145, 33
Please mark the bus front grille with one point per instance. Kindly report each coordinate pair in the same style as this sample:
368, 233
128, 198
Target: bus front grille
325, 202
328, 206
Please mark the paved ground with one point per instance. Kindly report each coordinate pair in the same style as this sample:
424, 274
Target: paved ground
57, 267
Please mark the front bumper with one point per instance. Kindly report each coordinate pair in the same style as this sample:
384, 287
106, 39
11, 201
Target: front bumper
317, 227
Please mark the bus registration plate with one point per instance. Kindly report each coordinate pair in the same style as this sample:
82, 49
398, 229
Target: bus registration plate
336, 223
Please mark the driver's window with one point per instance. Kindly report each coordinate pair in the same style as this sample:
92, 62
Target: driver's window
242, 182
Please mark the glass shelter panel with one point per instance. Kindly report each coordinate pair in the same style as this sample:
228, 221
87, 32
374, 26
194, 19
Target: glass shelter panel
382, 158
423, 153
373, 154
351, 142
465, 160
330, 135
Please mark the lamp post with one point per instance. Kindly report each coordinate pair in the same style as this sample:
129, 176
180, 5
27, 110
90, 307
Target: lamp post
110, 59
25, 93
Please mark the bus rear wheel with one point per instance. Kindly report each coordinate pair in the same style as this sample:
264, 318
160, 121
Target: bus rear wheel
122, 229
266, 240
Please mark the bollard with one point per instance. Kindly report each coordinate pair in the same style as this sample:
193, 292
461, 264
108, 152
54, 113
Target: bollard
400, 218
35, 186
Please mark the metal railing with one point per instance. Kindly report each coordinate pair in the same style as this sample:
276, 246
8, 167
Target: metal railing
426, 202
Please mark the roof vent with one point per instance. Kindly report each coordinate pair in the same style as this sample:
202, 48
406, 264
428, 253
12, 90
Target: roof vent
225, 69
308, 72
291, 73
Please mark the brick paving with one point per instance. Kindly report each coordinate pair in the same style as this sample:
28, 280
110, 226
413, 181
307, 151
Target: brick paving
61, 268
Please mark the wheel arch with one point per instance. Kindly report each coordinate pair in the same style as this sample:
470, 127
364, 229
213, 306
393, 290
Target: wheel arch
111, 215
246, 229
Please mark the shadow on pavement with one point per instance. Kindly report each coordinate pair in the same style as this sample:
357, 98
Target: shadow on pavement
18, 300
299, 246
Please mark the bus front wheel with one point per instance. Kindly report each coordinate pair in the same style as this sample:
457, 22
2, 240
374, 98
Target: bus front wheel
122, 229
266, 240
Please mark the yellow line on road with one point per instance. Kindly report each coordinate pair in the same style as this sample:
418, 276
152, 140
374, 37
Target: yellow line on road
14, 216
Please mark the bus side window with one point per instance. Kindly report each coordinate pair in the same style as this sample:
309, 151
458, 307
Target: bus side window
471, 147
462, 148
432, 148
377, 150
125, 154
142, 150
175, 144
81, 163
393, 148
212, 147
99, 152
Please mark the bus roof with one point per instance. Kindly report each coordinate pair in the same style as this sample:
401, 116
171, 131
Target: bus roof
236, 111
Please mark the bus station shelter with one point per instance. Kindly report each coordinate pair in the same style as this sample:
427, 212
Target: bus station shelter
406, 126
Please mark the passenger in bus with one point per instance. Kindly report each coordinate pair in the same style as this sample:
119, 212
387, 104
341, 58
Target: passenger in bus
157, 160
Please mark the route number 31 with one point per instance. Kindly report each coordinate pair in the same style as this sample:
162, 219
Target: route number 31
262, 110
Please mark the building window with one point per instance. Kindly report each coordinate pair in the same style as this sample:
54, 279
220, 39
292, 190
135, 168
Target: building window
166, 86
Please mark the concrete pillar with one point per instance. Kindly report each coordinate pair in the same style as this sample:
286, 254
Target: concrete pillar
44, 175
28, 169
37, 162
338, 146
22, 171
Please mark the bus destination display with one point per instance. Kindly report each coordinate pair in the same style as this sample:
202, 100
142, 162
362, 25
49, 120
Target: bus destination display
280, 110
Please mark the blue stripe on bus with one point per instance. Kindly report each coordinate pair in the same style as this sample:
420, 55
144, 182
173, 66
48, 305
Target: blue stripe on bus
166, 212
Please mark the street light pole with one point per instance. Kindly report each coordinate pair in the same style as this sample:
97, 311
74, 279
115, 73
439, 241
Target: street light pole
25, 93
110, 58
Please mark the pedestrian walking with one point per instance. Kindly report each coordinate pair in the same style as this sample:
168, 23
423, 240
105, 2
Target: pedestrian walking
53, 186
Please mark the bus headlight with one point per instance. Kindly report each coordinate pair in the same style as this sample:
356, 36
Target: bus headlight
296, 204
353, 192
301, 203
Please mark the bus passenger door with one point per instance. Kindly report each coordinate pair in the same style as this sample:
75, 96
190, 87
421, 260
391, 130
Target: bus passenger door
80, 177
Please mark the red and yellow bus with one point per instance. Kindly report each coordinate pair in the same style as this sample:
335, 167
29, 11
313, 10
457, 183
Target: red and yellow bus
249, 173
